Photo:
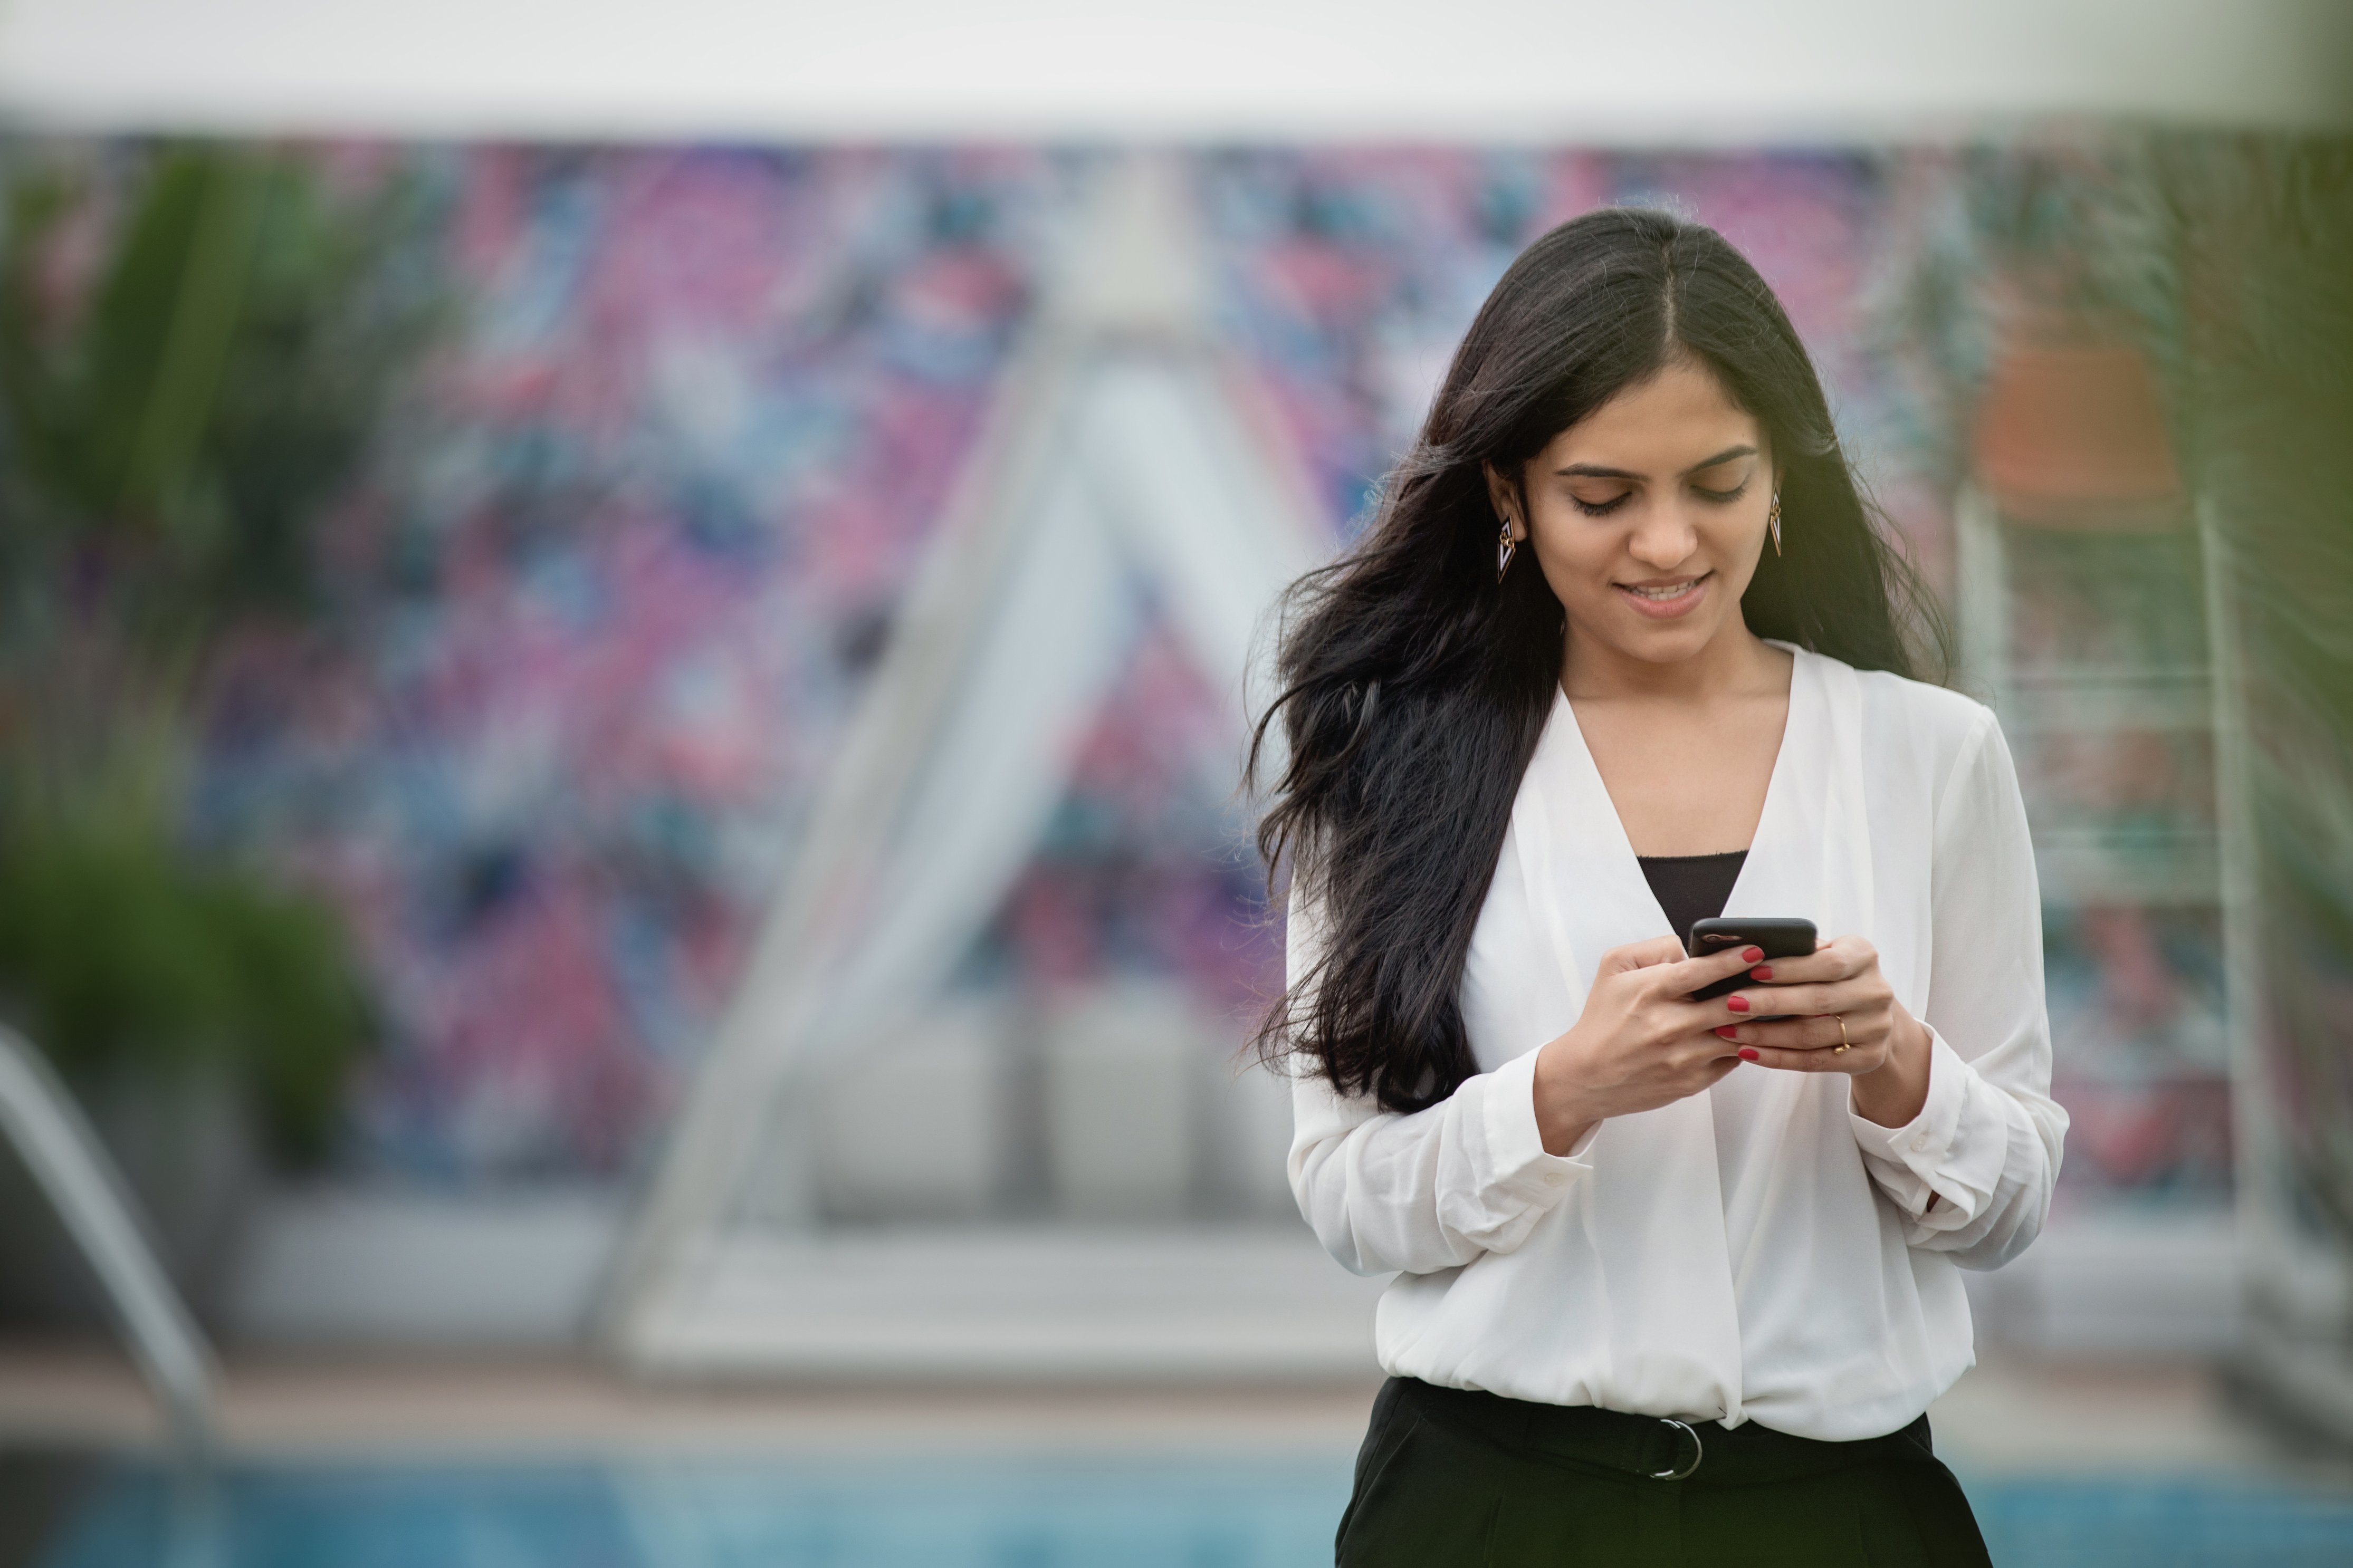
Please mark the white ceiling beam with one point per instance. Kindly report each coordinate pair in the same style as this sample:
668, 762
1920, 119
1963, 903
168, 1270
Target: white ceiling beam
1674, 71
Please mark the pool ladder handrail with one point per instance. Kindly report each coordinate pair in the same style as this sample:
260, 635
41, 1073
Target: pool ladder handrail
90, 1196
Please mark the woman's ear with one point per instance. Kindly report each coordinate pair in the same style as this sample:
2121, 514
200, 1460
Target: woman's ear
1503, 495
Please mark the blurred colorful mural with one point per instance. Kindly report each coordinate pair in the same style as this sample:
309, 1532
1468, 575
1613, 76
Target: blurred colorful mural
608, 589
606, 595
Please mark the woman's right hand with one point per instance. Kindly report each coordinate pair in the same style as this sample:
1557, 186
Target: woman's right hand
1640, 1043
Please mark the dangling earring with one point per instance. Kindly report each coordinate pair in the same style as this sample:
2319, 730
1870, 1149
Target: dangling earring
1505, 548
1773, 523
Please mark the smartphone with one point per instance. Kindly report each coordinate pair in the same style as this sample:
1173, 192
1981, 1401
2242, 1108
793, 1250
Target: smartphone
1781, 936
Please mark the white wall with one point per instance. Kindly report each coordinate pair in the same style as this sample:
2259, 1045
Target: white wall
1675, 71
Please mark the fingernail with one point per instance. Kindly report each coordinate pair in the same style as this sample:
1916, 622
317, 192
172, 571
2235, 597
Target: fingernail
1751, 955
1747, 1053
1725, 1031
1738, 1004
1762, 972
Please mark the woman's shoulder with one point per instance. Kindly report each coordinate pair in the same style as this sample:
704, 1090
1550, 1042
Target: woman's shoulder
1934, 718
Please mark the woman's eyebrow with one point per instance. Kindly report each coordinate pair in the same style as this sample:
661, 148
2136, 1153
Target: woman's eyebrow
1723, 456
1596, 471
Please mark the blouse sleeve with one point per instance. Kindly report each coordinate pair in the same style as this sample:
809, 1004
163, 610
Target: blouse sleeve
1972, 1173
1428, 1191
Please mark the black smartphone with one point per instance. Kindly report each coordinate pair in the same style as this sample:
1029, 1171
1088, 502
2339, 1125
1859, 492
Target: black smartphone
1781, 936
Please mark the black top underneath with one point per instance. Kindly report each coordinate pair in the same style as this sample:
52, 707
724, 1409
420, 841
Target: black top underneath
1692, 887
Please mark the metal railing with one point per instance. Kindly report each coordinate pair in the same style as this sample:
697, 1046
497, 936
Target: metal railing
71, 1166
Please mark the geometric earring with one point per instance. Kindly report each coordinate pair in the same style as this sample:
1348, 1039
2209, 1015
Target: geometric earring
1773, 521
1505, 548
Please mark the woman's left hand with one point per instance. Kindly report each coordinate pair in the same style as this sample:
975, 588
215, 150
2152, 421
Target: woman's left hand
1838, 997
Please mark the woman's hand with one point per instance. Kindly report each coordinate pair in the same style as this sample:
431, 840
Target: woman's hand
1840, 999
1640, 1043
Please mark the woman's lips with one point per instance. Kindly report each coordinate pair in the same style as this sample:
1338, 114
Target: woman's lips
1658, 604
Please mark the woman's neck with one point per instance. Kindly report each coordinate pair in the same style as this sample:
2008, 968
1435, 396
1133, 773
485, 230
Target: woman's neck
1735, 662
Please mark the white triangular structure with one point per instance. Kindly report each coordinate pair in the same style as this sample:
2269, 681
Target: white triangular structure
1121, 456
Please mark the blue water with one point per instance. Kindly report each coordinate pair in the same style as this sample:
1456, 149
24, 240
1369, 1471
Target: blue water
1133, 1514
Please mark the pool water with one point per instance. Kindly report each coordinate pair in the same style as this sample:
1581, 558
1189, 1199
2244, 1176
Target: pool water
1027, 1513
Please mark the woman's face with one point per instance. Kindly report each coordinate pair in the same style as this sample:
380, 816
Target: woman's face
1646, 515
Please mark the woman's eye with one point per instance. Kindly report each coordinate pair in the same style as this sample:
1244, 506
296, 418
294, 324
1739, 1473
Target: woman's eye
1598, 508
1735, 494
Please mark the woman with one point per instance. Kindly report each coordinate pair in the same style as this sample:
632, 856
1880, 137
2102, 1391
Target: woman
1622, 649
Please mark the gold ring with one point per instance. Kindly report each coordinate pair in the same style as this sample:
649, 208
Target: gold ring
1840, 1049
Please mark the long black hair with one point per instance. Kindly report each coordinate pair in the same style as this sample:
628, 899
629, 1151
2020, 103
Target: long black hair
1412, 687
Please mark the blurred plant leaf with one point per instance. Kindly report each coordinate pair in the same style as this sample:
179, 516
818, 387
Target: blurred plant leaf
197, 344
117, 952
183, 420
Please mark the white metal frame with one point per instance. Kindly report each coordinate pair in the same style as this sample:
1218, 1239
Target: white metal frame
71, 1166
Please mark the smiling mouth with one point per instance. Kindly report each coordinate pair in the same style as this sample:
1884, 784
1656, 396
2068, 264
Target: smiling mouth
1666, 594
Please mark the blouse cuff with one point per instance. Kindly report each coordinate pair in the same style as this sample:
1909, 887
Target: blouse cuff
1906, 1160
1518, 1163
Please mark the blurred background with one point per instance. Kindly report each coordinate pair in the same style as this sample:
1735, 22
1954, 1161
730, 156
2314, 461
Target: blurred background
624, 637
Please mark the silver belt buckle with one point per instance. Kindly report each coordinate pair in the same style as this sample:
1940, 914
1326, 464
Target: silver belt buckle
1699, 1452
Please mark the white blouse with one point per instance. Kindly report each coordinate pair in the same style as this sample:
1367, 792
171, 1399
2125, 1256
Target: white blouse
1759, 1250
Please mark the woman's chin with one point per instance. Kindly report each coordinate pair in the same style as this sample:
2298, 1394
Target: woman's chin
1650, 641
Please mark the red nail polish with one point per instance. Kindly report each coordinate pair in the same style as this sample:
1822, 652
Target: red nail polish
1747, 1053
1751, 955
1738, 1004
1762, 972
1725, 1031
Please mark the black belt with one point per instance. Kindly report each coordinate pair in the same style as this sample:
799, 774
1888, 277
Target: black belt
1655, 1447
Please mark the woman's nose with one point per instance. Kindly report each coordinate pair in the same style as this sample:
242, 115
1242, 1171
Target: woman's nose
1663, 542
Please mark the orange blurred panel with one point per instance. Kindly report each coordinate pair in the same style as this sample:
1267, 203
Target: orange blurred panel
2075, 435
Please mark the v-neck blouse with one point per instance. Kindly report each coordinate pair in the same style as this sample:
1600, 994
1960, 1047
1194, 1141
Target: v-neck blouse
1757, 1251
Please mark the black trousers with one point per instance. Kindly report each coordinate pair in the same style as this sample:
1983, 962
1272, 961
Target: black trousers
1451, 1477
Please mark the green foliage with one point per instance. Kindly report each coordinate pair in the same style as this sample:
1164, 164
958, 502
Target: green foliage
2262, 253
183, 415
116, 951
197, 344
